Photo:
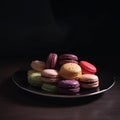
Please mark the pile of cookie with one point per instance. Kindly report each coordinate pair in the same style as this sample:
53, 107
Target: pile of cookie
63, 74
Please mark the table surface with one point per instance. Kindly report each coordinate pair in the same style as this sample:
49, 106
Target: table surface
15, 104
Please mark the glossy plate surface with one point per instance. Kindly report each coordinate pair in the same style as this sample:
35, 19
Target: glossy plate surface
106, 82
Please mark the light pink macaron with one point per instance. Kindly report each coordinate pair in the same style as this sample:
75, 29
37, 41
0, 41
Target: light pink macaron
50, 76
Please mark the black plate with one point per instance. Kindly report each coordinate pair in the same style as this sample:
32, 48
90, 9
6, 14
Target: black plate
106, 83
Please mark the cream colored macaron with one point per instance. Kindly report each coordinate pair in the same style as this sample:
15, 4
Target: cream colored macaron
38, 65
89, 81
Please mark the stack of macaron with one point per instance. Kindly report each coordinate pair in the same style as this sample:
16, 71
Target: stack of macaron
48, 74
88, 79
34, 74
64, 74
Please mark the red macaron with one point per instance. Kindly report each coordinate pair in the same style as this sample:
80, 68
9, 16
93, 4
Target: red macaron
87, 67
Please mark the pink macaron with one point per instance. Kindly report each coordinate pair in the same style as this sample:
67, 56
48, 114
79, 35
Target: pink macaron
50, 76
51, 60
87, 67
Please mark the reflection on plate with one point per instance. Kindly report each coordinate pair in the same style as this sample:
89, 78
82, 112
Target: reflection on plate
106, 82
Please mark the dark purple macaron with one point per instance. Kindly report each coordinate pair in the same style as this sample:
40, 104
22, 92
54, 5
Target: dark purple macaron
68, 83
67, 58
61, 62
69, 86
51, 60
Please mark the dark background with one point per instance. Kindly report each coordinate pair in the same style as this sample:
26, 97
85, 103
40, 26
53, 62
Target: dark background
32, 28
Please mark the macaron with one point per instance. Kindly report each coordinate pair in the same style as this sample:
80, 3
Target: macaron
50, 76
68, 86
34, 79
89, 81
87, 67
70, 71
68, 58
38, 65
51, 61
50, 88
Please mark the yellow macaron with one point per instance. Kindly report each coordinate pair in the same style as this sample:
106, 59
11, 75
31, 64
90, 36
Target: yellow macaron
70, 71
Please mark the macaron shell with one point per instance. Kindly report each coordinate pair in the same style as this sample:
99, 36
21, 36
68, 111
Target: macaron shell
89, 85
89, 78
50, 88
87, 67
66, 75
68, 83
68, 57
50, 73
69, 91
49, 80
84, 71
67, 61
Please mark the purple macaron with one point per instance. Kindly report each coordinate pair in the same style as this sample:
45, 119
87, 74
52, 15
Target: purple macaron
51, 60
68, 86
67, 58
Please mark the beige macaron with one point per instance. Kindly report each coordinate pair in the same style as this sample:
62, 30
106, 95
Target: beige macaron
89, 81
38, 65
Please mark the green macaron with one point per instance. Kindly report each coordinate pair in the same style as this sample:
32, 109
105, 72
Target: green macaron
50, 88
34, 79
